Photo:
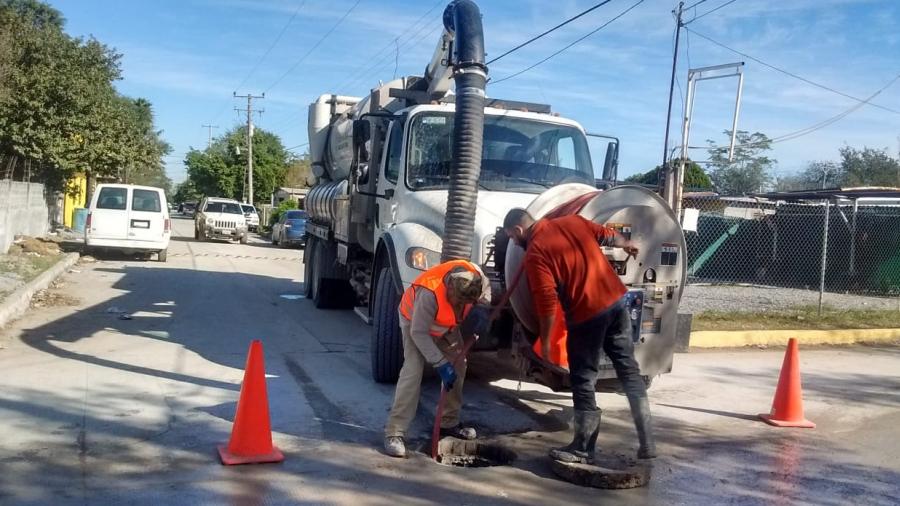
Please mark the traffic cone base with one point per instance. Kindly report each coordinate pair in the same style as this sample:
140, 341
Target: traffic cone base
803, 424
230, 459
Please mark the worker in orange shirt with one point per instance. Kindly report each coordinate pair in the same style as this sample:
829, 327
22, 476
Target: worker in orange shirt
436, 312
565, 264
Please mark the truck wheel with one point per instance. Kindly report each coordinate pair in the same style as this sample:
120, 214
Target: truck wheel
244, 239
330, 283
387, 343
308, 257
196, 234
162, 255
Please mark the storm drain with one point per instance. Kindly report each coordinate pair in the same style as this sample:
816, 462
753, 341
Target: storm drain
461, 453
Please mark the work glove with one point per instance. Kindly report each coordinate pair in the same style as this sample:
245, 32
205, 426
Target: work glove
477, 322
447, 374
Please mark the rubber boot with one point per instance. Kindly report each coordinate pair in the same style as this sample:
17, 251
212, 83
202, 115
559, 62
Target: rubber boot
581, 449
640, 411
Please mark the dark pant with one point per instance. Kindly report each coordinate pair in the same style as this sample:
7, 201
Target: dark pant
611, 332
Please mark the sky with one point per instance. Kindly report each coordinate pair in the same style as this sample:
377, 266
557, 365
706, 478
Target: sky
188, 57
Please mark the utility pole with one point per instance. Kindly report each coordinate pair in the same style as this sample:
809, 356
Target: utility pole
668, 172
210, 129
250, 112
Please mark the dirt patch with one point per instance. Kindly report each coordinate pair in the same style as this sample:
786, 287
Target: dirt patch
34, 245
27, 258
51, 298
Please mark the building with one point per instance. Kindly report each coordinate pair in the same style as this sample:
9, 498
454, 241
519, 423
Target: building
296, 194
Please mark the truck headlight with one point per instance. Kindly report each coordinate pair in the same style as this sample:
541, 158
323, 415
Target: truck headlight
421, 258
209, 221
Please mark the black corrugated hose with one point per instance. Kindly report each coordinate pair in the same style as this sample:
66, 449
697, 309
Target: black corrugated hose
464, 19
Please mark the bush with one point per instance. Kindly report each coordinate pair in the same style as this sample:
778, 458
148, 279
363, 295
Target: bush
282, 207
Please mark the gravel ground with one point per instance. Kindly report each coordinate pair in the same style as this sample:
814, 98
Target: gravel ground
700, 298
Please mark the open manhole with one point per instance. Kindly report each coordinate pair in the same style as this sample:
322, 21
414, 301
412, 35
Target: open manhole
461, 453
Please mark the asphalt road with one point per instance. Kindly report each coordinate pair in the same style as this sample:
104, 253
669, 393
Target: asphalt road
95, 409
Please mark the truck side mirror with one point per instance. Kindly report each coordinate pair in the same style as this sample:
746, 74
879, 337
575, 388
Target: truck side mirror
611, 163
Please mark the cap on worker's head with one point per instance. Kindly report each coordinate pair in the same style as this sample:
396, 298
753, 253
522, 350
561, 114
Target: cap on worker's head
516, 217
465, 284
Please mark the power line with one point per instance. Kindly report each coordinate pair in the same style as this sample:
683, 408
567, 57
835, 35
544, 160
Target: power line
365, 67
315, 46
374, 67
592, 32
272, 46
298, 146
707, 13
815, 127
694, 5
564, 23
788, 73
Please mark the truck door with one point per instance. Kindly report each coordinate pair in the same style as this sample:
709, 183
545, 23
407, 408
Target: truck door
387, 182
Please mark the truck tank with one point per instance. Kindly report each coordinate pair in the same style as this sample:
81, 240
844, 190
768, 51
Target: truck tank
331, 135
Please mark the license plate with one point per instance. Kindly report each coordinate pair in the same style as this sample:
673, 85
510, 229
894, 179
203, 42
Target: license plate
140, 224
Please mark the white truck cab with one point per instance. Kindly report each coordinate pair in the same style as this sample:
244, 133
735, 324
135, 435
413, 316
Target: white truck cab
130, 219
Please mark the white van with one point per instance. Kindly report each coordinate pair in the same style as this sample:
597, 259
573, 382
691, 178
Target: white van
128, 218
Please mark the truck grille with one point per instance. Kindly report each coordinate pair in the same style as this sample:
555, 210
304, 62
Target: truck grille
225, 224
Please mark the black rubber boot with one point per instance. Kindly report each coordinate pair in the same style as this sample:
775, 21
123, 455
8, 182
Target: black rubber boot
581, 449
640, 411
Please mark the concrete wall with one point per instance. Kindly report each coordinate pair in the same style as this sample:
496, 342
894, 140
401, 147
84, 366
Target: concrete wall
23, 211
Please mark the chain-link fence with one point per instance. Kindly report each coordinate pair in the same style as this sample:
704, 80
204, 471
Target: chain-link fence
847, 251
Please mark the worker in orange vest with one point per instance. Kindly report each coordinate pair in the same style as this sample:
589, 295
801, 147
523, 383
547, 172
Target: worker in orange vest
565, 265
431, 312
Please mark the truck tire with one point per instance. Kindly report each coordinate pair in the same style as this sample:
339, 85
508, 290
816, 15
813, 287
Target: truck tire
331, 285
196, 233
244, 238
308, 258
162, 255
387, 342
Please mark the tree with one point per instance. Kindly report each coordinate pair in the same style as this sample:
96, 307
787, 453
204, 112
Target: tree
220, 169
869, 167
749, 171
299, 172
58, 106
695, 177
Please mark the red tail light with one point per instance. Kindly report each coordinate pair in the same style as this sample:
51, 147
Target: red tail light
167, 225
87, 222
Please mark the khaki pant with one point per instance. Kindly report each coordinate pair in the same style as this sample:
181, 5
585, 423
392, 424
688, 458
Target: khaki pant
406, 397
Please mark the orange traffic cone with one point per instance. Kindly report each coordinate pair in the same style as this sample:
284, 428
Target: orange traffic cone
251, 434
787, 407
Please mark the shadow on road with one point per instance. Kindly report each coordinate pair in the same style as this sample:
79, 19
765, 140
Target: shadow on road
310, 354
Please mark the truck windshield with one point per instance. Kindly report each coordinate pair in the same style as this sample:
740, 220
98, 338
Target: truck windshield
223, 207
520, 155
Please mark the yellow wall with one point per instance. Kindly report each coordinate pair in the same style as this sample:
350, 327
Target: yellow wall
76, 195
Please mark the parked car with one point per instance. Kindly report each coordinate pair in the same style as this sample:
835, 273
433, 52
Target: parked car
188, 209
290, 229
252, 217
220, 218
129, 219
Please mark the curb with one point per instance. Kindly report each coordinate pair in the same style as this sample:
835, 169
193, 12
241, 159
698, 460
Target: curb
17, 303
739, 338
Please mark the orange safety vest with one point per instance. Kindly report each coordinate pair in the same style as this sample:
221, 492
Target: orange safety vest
433, 279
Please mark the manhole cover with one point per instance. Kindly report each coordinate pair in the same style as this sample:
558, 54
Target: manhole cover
607, 471
461, 453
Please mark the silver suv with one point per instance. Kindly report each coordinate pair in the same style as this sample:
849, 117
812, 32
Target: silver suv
219, 218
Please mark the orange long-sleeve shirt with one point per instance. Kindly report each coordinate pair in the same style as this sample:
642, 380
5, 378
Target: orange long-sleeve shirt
564, 263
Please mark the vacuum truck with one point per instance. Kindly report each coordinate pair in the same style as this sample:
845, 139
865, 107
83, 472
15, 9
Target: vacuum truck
416, 172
